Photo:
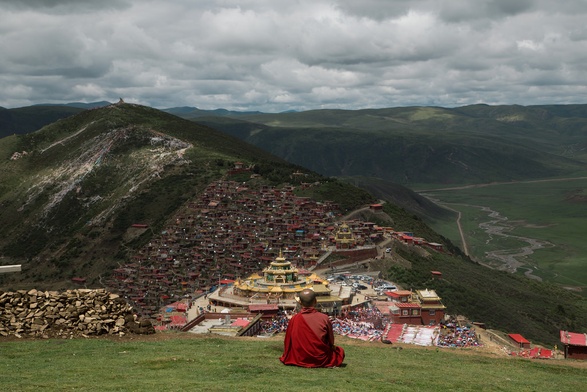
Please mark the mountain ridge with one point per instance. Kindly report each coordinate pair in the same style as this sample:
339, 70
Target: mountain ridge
76, 178
425, 145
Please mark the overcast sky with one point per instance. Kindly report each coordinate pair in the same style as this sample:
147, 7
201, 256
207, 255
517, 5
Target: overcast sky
274, 55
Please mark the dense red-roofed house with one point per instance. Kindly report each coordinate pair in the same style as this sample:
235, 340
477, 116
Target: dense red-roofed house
406, 238
399, 295
432, 307
406, 313
521, 341
268, 310
177, 321
434, 245
78, 280
575, 344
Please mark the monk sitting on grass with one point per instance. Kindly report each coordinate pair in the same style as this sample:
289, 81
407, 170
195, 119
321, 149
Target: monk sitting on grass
309, 340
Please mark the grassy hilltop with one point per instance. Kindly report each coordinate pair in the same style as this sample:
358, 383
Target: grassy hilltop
247, 364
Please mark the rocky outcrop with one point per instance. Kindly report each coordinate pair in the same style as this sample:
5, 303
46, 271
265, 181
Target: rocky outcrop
73, 313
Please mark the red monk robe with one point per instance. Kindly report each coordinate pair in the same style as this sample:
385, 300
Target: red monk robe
309, 341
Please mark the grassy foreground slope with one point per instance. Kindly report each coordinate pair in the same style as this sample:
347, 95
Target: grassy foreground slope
248, 364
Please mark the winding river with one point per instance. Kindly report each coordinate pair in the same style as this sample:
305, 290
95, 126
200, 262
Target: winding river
512, 259
500, 226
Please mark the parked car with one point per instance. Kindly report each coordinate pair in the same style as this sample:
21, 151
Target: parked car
386, 287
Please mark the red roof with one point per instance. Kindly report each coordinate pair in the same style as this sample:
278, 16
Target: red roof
573, 338
240, 322
178, 320
518, 338
395, 332
409, 305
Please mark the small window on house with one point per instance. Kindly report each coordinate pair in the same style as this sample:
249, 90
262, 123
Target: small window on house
432, 312
414, 312
405, 312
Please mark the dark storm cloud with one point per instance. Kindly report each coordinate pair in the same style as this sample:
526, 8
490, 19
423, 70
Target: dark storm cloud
273, 56
65, 5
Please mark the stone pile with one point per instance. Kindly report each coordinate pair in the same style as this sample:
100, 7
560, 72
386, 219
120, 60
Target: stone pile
73, 313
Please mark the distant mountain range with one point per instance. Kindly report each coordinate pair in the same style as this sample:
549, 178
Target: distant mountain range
414, 146
417, 147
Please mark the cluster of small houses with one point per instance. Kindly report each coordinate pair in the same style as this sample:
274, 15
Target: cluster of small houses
232, 230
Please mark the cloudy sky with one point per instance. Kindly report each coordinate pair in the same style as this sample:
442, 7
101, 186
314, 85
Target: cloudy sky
273, 55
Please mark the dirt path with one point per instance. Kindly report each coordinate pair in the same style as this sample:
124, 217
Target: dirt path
464, 245
456, 188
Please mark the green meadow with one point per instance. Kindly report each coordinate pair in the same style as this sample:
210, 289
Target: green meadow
552, 211
194, 363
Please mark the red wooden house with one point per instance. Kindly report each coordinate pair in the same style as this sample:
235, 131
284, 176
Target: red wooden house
399, 295
519, 340
575, 344
406, 313
432, 307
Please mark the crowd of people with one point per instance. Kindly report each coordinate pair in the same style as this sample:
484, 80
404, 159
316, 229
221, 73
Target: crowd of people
276, 325
452, 335
367, 323
363, 330
364, 313
360, 323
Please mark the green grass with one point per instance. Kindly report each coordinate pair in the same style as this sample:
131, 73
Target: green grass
248, 364
537, 210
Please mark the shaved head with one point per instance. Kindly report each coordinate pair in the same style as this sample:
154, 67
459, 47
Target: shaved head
307, 298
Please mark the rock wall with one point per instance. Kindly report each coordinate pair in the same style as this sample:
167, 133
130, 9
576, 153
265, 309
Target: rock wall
73, 313
354, 255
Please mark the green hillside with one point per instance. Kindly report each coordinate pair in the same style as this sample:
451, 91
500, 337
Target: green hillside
80, 183
70, 197
427, 148
425, 145
31, 118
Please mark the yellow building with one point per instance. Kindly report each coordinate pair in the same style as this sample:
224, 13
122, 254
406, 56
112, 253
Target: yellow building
344, 237
280, 280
